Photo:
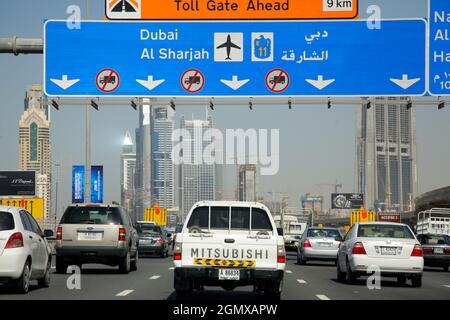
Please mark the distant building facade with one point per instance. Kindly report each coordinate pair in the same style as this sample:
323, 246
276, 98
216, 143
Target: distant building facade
313, 203
197, 181
247, 182
386, 154
127, 175
34, 143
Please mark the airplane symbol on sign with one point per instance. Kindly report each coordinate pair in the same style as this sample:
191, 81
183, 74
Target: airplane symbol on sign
228, 44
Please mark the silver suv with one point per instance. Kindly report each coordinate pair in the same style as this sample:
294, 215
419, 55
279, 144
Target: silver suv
90, 233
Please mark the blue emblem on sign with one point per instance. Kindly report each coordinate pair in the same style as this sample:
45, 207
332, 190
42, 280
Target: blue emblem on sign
262, 47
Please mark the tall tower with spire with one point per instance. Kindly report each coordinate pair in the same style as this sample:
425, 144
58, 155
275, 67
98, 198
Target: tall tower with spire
127, 174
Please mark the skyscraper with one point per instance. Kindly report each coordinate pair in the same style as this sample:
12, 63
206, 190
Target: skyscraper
143, 197
162, 125
34, 143
386, 155
247, 182
127, 174
197, 180
154, 165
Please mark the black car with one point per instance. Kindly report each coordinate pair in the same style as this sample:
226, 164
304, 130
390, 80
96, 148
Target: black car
152, 239
436, 250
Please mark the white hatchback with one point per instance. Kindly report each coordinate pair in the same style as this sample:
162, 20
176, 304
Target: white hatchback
24, 251
391, 248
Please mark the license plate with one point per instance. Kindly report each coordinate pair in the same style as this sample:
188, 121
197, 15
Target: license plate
229, 274
438, 250
90, 236
389, 251
325, 244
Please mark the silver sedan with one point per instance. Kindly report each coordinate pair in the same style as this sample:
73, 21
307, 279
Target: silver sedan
319, 244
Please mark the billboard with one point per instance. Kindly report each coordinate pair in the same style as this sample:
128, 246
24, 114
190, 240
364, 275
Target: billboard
77, 184
97, 184
347, 200
78, 180
17, 183
35, 206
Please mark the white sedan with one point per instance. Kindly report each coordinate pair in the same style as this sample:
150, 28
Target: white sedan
391, 248
24, 251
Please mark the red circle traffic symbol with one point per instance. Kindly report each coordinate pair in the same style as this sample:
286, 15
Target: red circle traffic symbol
107, 80
277, 80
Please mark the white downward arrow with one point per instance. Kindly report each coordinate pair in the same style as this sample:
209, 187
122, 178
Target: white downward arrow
320, 83
150, 84
64, 83
404, 82
234, 83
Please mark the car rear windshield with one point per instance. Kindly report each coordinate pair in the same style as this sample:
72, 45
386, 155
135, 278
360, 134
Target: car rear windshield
323, 233
435, 239
6, 221
384, 231
92, 215
220, 218
149, 229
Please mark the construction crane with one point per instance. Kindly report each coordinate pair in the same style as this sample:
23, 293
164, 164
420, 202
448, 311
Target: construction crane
335, 185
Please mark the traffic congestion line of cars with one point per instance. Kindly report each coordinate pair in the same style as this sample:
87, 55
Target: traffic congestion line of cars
87, 233
226, 244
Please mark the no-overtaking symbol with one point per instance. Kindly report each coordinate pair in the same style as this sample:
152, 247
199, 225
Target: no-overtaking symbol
192, 80
277, 80
107, 80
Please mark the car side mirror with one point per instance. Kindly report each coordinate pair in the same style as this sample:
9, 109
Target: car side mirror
280, 231
48, 233
339, 238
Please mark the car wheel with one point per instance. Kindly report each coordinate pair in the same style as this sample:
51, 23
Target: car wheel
340, 275
301, 260
61, 266
22, 285
272, 290
134, 263
125, 264
45, 281
417, 281
350, 276
446, 268
401, 280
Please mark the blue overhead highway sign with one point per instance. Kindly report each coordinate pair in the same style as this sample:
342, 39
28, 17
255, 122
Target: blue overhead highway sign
212, 59
439, 56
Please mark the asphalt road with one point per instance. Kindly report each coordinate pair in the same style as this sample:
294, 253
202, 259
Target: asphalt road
154, 281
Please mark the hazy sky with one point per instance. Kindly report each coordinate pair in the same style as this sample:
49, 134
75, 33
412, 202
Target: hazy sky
317, 144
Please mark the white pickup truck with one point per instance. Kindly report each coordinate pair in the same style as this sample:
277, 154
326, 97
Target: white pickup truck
229, 244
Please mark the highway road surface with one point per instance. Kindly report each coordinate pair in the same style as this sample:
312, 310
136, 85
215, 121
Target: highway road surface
154, 281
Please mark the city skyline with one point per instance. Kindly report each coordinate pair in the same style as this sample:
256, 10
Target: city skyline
310, 136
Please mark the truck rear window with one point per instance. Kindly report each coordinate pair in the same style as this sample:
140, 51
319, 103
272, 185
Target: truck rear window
240, 218
6, 221
92, 215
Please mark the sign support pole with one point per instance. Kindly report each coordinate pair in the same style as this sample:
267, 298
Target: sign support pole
87, 165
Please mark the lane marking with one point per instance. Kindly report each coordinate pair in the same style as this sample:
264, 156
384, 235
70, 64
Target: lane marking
301, 281
124, 293
322, 297
172, 268
288, 271
447, 285
154, 277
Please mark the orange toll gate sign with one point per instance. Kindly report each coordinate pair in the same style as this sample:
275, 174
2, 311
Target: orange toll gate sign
230, 9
